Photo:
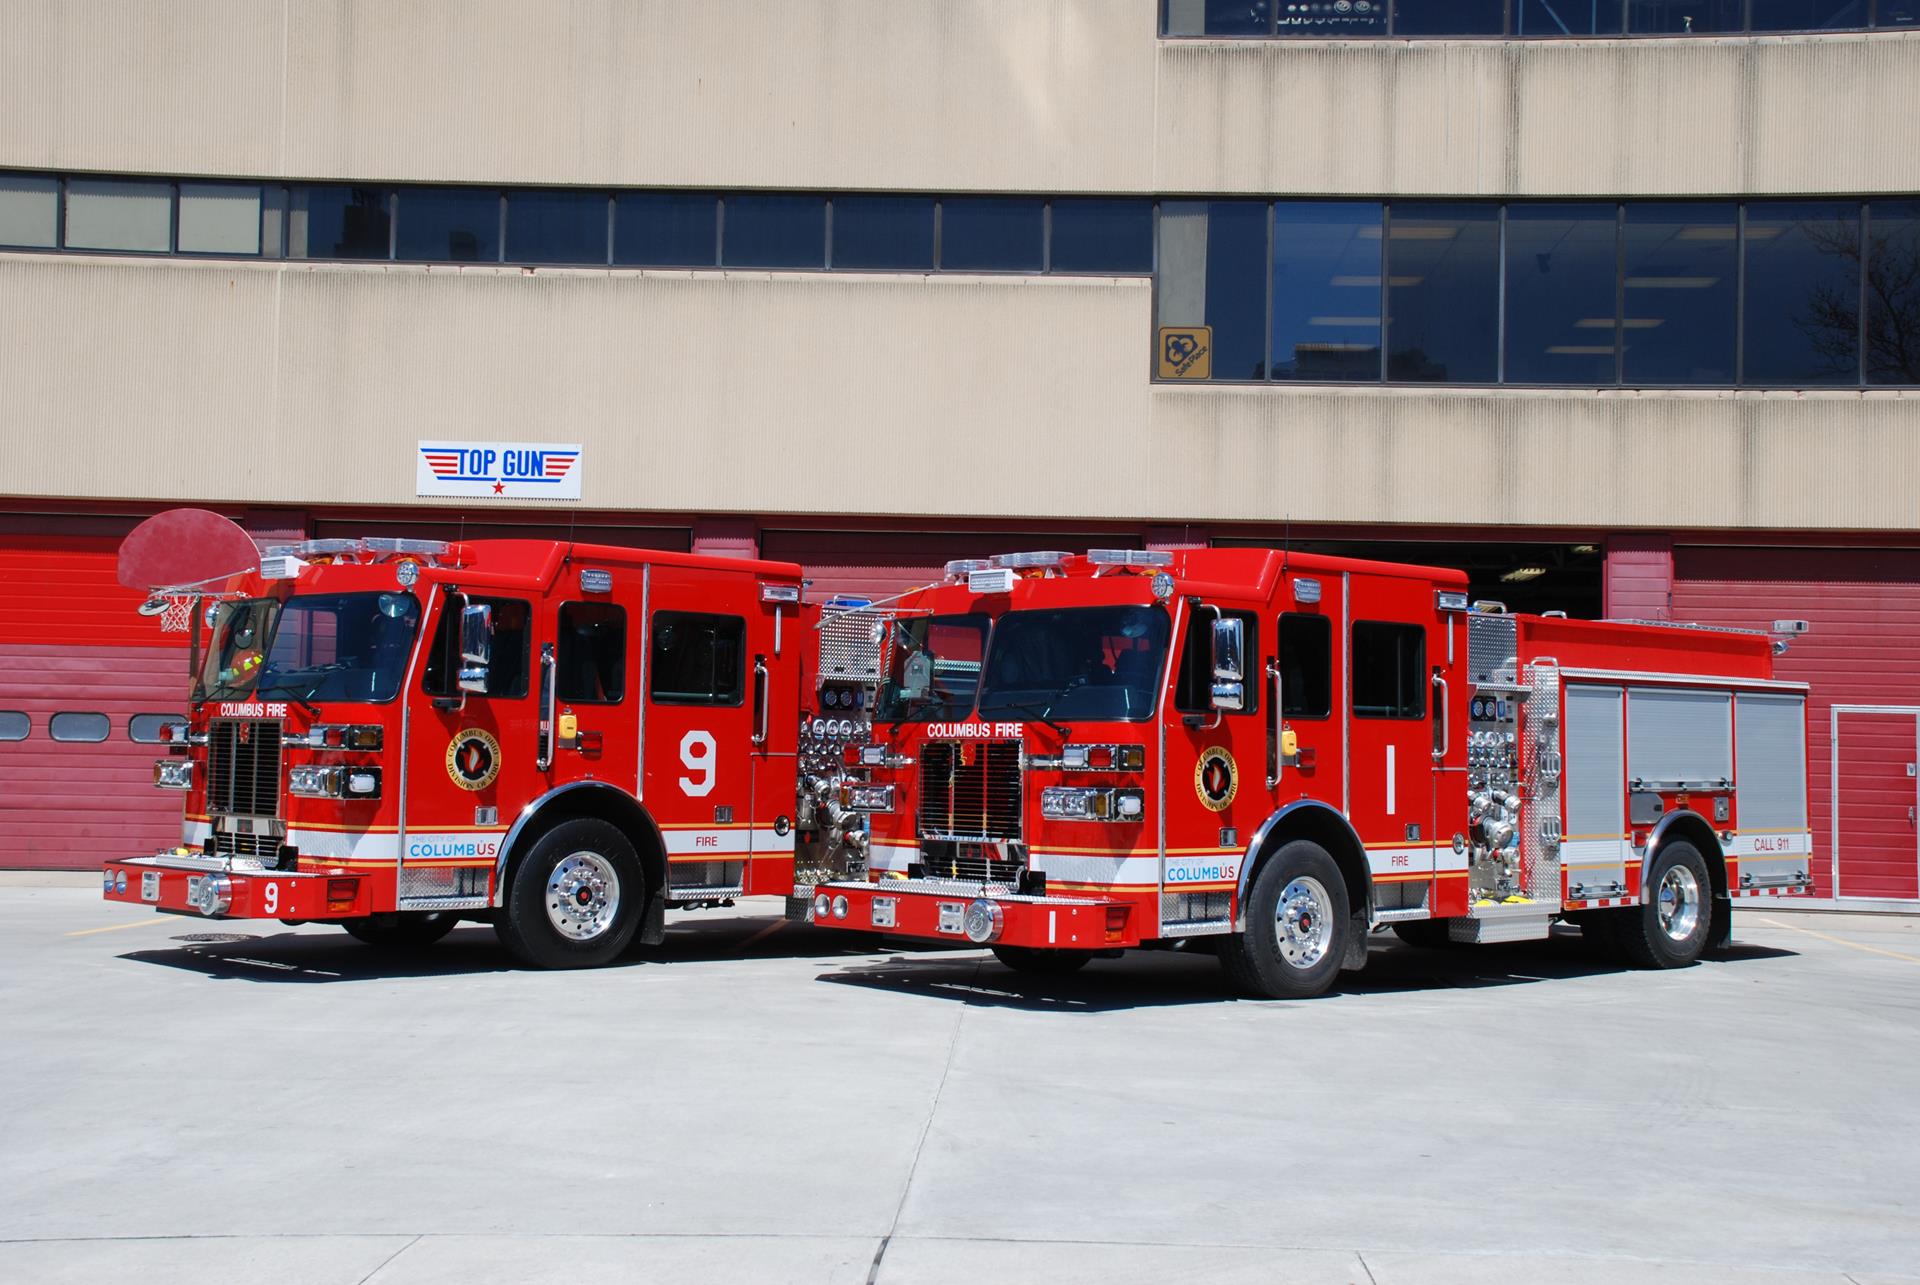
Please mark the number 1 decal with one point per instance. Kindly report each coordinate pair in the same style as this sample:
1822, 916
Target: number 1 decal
697, 750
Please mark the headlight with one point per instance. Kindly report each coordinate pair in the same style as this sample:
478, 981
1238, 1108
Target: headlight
870, 798
315, 782
840, 907
173, 774
1091, 803
361, 782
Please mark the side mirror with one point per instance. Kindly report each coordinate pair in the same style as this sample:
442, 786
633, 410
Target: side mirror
1229, 664
476, 647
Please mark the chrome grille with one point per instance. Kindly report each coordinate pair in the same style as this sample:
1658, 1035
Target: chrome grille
264, 848
972, 862
970, 790
243, 767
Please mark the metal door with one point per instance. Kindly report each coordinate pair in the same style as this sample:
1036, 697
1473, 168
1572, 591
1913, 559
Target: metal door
1876, 802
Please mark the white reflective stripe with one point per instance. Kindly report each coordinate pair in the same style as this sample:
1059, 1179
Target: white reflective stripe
1771, 847
1401, 861
1595, 852
1079, 868
722, 843
1392, 794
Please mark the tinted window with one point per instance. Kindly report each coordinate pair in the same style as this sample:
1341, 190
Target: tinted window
109, 214
512, 648
1102, 236
774, 232
1561, 278
1389, 670
882, 232
1682, 17
1360, 18
934, 670
666, 229
338, 223
1897, 13
1449, 17
1236, 288
145, 728
1193, 691
590, 654
697, 659
448, 224
14, 725
1231, 17
1326, 290
1004, 233
1075, 662
219, 218
1893, 292
1802, 322
1679, 274
29, 210
1306, 666
1443, 266
1556, 18
556, 227
79, 727
1808, 15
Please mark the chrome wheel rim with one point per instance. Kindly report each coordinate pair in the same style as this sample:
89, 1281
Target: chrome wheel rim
1304, 919
583, 896
1679, 903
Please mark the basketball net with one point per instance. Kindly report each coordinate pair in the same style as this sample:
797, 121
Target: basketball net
175, 611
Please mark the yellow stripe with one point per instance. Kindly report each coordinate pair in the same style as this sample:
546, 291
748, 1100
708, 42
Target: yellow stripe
114, 928
1840, 941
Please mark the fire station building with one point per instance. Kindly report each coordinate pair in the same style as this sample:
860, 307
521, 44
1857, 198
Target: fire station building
1619, 310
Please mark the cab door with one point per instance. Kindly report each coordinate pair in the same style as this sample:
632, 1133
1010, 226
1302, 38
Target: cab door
1216, 764
1389, 699
1302, 681
775, 672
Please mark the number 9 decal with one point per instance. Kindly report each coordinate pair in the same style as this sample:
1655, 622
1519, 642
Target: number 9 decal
697, 750
270, 898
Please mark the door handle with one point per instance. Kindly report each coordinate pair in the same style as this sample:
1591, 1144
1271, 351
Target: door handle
1276, 758
543, 754
762, 705
1442, 732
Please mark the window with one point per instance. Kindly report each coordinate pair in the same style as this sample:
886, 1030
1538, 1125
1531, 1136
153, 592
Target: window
447, 224
14, 725
934, 672
883, 232
993, 233
1389, 670
1220, 17
1306, 666
1443, 292
1193, 691
338, 223
590, 656
1893, 291
112, 214
1360, 18
82, 728
1679, 279
1802, 320
1557, 18
556, 227
1808, 15
29, 210
1097, 235
774, 232
1326, 290
1068, 663
1236, 304
697, 659
1897, 13
512, 648
1683, 17
219, 218
666, 229
1562, 276
145, 728
1449, 17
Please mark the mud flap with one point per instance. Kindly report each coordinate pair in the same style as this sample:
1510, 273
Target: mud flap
1720, 933
653, 925
1356, 945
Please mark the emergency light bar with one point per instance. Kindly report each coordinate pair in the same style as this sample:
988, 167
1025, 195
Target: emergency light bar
281, 567
375, 546
1129, 557
967, 566
990, 580
1032, 559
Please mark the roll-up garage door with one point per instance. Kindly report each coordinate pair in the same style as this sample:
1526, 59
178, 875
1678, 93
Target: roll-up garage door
1863, 651
536, 526
85, 682
873, 564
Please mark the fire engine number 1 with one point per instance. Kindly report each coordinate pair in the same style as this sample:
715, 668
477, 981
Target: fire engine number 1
697, 750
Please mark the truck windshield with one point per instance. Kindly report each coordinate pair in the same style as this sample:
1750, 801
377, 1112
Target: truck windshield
935, 670
1100, 663
312, 647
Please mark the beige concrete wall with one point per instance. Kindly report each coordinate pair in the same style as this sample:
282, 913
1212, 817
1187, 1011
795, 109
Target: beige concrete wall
1007, 397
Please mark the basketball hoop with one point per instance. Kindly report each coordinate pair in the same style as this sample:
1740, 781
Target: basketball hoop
175, 612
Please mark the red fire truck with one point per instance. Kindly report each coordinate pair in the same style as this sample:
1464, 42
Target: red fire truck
562, 739
1277, 754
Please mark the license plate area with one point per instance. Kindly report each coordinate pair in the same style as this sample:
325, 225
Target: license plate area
149, 885
953, 918
885, 912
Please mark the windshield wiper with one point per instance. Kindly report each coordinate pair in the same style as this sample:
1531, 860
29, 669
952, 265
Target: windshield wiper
1039, 710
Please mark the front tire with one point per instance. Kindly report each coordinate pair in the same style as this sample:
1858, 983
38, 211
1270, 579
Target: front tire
1298, 922
407, 930
1673, 926
1041, 962
576, 899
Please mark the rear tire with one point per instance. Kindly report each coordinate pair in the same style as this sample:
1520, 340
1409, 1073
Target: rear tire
1038, 961
1673, 926
406, 930
576, 899
1298, 922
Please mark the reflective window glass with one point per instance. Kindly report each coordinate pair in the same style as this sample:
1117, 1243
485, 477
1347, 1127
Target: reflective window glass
1218, 17
1802, 322
507, 668
1443, 292
1389, 670
1099, 235
556, 227
666, 229
774, 232
14, 725
219, 218
82, 728
1561, 277
338, 223
1236, 288
1567, 17
1326, 290
1897, 13
883, 232
29, 210
1306, 666
590, 655
109, 214
146, 728
1893, 292
447, 225
1683, 17
1678, 272
1449, 17
1808, 15
987, 233
698, 659
1333, 18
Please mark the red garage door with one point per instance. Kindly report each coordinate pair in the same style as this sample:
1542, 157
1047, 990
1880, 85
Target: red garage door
873, 564
1864, 650
82, 675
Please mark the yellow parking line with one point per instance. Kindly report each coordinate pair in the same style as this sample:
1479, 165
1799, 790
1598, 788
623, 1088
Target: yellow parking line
114, 928
1841, 941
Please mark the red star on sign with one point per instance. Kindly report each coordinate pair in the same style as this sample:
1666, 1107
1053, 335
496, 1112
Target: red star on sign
499, 488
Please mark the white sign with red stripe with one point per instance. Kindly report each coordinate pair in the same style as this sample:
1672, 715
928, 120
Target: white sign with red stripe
499, 470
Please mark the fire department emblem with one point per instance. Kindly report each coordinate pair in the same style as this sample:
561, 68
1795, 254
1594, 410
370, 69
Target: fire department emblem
473, 759
1216, 778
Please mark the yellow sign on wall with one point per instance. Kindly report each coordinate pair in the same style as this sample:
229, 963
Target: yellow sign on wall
1186, 352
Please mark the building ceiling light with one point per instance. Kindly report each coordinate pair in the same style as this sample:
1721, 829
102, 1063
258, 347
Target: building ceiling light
1707, 232
1586, 548
1671, 283
1518, 574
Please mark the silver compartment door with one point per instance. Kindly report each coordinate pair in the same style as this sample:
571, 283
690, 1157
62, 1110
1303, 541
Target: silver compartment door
1596, 848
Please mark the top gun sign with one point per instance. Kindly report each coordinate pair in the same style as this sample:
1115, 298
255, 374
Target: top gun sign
499, 470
